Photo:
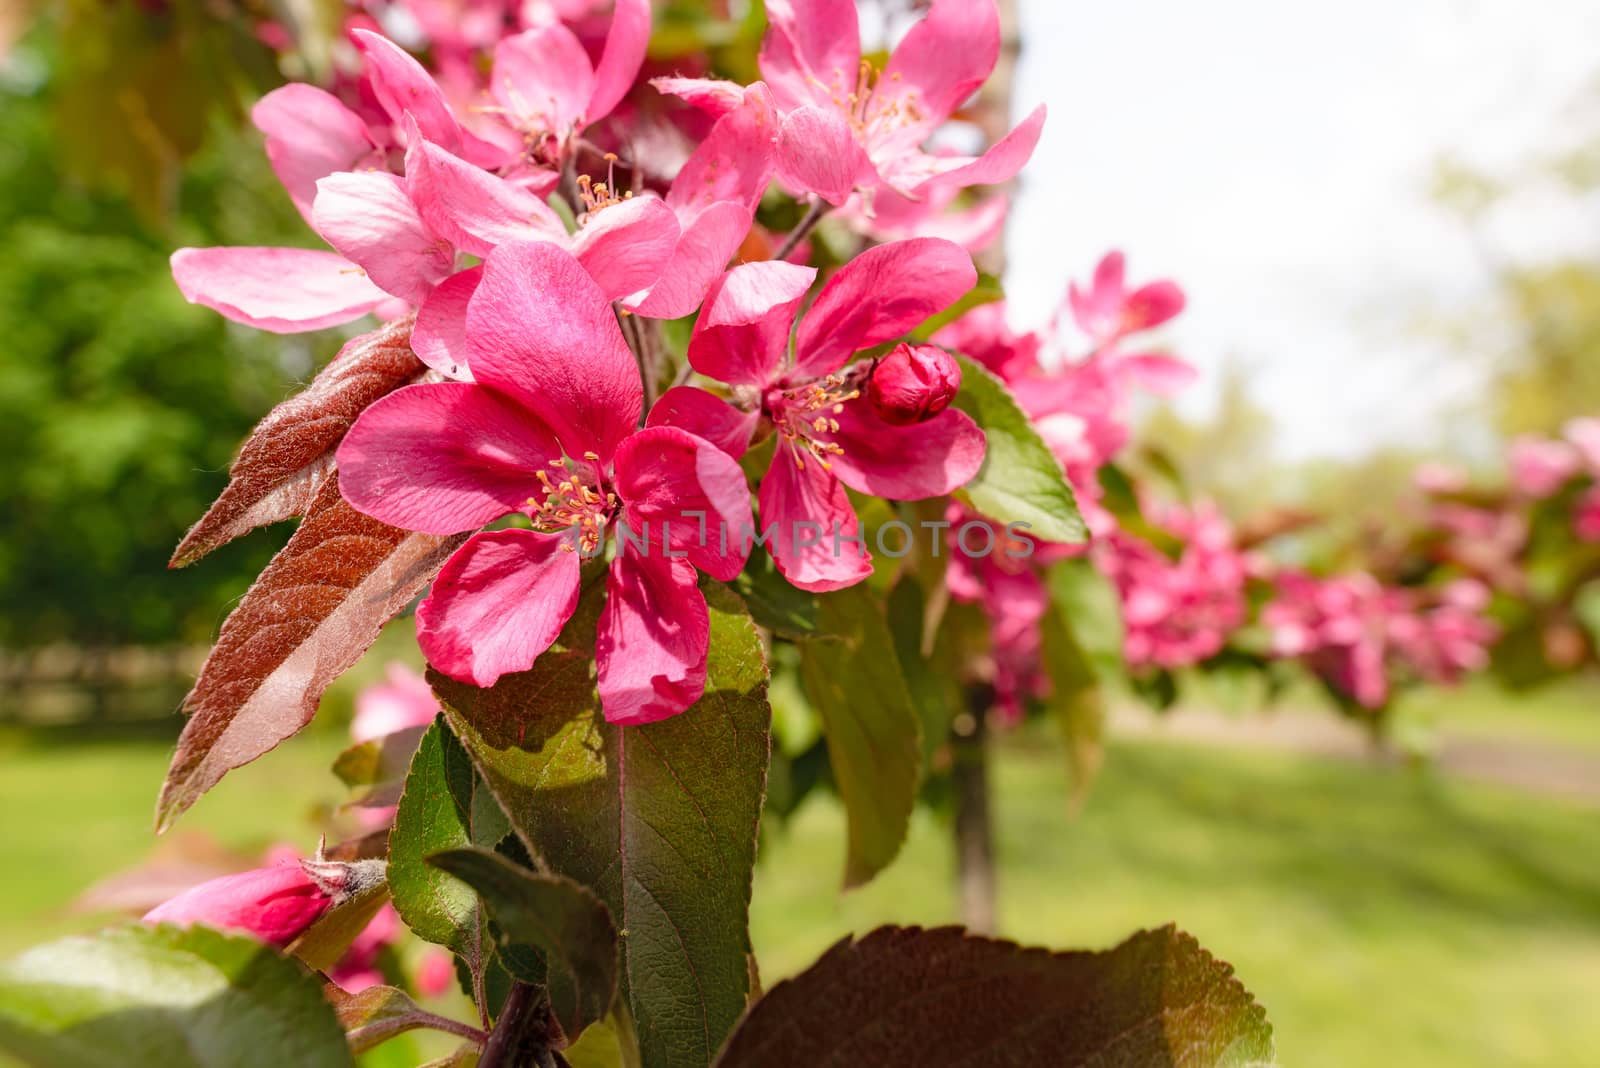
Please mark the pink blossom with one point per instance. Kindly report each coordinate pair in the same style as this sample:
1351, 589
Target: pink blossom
1177, 612
1587, 520
358, 969
842, 126
1007, 584
1107, 312
436, 973
275, 904
913, 383
547, 431
404, 700
1356, 634
546, 90
828, 436
1540, 467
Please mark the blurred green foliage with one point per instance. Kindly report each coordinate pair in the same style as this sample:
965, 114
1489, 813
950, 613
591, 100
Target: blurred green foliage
120, 404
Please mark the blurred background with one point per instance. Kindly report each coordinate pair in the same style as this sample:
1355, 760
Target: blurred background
1387, 223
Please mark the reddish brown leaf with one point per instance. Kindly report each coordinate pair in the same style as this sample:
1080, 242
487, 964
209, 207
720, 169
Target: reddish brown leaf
289, 455
316, 608
904, 995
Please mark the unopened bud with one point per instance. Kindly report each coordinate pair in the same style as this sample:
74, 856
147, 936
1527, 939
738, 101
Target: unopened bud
913, 384
275, 904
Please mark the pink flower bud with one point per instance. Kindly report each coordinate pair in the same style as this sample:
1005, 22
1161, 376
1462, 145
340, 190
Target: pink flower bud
275, 904
913, 384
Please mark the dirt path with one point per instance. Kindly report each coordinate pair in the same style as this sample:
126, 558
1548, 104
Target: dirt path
1537, 767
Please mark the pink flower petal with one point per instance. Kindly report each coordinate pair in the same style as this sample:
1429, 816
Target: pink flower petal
743, 330
906, 463
812, 50
878, 296
1159, 374
734, 162
443, 457
370, 218
714, 96
941, 62
685, 492
541, 331
404, 87
818, 153
471, 208
543, 77
625, 247
809, 525
273, 904
707, 416
1151, 305
285, 290
309, 135
650, 652
622, 58
707, 241
404, 700
999, 164
439, 337
498, 603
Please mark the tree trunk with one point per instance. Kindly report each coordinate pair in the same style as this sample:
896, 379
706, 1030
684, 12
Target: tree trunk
974, 823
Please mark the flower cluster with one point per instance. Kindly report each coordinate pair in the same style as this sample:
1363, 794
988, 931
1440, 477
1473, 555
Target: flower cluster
1177, 612
1356, 634
516, 200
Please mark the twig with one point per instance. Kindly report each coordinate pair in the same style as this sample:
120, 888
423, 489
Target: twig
819, 208
512, 1030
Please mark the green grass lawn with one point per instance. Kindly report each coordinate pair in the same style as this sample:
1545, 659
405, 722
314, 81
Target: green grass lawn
1381, 916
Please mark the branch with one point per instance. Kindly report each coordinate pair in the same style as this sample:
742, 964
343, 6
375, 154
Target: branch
819, 208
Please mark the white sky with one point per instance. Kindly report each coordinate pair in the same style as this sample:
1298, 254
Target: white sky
1274, 156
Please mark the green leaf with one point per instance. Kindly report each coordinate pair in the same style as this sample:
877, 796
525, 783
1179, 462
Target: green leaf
563, 919
1020, 481
987, 291
670, 845
773, 601
139, 995
934, 689
856, 685
904, 995
441, 809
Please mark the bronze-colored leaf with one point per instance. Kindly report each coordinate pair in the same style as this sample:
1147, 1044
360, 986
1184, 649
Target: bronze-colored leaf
904, 995
316, 608
289, 455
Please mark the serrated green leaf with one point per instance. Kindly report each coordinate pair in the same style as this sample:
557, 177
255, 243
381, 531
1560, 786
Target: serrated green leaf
904, 995
659, 820
441, 810
566, 921
855, 683
1020, 481
140, 995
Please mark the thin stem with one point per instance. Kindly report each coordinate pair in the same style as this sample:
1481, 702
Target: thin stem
513, 1029
819, 208
422, 1018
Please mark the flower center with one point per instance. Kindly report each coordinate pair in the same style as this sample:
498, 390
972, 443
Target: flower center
803, 414
872, 109
598, 196
572, 500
